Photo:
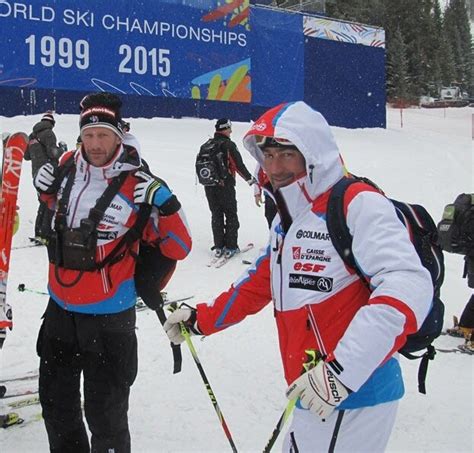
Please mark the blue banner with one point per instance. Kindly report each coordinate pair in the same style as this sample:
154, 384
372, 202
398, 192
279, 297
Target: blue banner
166, 48
277, 57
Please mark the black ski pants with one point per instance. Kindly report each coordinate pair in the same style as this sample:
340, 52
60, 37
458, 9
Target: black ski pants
225, 223
104, 349
270, 210
467, 316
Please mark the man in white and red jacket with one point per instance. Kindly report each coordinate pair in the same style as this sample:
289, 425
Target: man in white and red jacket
348, 400
89, 324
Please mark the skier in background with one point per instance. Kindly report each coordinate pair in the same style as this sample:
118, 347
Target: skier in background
43, 148
222, 198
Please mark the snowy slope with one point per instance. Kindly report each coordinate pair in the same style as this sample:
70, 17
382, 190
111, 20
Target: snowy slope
428, 161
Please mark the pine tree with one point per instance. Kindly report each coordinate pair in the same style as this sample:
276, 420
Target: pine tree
397, 68
457, 33
446, 61
436, 39
438, 50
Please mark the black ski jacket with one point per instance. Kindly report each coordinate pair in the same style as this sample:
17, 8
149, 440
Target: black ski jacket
233, 160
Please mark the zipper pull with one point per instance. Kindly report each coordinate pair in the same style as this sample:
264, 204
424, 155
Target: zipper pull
311, 168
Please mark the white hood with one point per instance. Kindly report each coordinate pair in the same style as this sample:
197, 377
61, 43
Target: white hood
310, 133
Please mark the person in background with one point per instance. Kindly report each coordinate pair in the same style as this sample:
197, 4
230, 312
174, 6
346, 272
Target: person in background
222, 198
347, 399
43, 148
464, 326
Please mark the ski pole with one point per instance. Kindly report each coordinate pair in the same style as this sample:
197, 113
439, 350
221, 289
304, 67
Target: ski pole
211, 394
313, 357
22, 288
276, 432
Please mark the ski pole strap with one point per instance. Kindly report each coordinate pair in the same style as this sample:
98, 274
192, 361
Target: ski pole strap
175, 348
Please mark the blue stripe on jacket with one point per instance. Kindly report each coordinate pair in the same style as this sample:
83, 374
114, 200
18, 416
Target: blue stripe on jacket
124, 298
384, 385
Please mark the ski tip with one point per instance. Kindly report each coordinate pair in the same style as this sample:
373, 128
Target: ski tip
17, 135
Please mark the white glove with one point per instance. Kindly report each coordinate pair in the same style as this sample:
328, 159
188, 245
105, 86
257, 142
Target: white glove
319, 390
45, 177
150, 190
5, 321
172, 326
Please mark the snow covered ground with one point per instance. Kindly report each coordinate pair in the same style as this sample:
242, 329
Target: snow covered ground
428, 161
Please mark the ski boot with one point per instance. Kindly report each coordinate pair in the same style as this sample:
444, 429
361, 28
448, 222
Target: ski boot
455, 331
10, 419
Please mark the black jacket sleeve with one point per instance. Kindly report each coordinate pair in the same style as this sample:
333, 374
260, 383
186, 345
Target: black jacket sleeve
238, 162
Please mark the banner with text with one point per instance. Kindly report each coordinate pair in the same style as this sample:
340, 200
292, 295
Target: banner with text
171, 48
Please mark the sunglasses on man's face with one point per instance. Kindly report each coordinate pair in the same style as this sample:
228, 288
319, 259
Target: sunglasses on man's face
263, 141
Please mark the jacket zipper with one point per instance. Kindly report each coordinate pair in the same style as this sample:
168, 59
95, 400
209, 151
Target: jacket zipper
317, 333
279, 262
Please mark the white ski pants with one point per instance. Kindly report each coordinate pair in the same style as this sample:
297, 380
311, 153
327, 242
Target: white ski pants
357, 430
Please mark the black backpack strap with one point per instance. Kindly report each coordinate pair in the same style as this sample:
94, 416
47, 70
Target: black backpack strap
338, 231
133, 234
423, 369
97, 212
61, 213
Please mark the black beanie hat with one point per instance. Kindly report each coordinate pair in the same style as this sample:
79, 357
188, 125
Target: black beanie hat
101, 110
48, 116
223, 123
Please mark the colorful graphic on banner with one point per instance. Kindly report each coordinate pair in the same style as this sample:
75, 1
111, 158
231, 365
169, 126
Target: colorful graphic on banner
168, 48
317, 27
237, 9
231, 83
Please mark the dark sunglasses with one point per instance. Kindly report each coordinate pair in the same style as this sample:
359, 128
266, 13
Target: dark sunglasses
263, 141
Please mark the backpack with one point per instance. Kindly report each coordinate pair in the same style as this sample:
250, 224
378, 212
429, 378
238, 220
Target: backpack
210, 166
456, 229
423, 234
456, 232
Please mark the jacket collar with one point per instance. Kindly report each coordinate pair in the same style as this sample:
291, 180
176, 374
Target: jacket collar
126, 158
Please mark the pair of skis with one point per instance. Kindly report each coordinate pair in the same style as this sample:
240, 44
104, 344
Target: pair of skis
22, 399
218, 262
11, 171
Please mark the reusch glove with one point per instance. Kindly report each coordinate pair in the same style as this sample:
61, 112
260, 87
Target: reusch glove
319, 390
45, 178
150, 191
186, 315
